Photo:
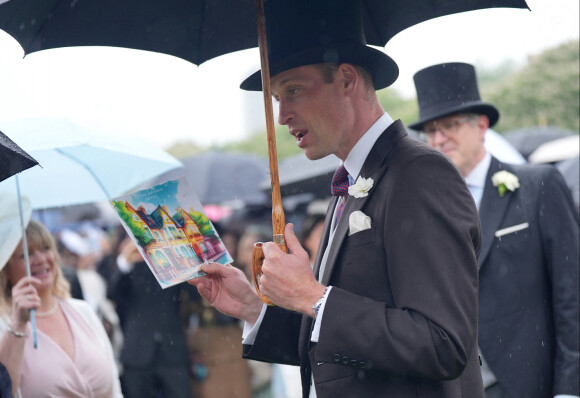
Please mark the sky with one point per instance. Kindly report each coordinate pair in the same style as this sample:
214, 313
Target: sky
165, 100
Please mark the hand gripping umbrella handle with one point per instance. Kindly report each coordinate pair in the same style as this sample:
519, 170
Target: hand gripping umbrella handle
278, 221
257, 261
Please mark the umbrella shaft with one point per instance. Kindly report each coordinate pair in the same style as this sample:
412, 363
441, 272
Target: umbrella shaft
278, 220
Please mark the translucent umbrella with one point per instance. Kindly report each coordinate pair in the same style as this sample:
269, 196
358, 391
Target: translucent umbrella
81, 165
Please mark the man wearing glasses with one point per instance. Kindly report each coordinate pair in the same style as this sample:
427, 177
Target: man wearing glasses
528, 266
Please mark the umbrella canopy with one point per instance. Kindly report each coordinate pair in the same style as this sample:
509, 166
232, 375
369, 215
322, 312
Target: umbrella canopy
13, 158
556, 150
220, 178
527, 139
193, 30
81, 165
308, 178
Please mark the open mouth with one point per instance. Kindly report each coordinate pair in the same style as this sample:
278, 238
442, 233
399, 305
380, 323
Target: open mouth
298, 134
41, 273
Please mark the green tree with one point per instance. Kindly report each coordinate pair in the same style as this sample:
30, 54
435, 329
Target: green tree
202, 222
544, 92
397, 106
184, 149
257, 144
137, 229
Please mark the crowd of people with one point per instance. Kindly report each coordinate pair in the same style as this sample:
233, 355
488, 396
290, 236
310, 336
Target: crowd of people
160, 343
436, 271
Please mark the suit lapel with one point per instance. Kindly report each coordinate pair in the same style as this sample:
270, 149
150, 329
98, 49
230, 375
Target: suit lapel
375, 167
491, 209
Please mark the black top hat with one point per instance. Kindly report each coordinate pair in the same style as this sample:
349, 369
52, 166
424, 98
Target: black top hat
447, 89
306, 32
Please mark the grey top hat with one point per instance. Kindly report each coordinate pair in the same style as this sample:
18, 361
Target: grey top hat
448, 89
318, 31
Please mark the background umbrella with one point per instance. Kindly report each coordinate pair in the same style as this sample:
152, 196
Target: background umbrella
556, 150
305, 178
13, 158
501, 148
223, 178
527, 139
81, 165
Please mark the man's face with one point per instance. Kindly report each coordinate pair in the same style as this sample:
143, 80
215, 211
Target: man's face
317, 113
460, 137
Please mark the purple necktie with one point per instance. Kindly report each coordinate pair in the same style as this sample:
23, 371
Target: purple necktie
339, 187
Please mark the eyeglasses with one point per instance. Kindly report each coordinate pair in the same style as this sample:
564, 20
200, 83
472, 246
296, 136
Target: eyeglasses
448, 127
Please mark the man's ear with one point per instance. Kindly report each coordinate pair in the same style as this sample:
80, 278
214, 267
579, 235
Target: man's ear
348, 77
482, 125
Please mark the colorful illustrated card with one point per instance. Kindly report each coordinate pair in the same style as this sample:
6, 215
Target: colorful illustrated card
171, 230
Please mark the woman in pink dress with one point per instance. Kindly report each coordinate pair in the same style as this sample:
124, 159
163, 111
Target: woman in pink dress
74, 357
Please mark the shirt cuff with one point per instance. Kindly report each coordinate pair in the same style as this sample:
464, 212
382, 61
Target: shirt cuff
250, 331
124, 265
565, 396
317, 322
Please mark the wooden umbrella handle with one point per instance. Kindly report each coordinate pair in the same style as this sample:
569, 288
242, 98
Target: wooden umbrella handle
278, 221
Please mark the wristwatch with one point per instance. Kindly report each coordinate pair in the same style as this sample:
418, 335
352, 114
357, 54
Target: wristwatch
318, 304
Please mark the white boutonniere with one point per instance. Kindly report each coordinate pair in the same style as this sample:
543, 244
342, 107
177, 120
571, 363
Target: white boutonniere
361, 187
358, 221
505, 181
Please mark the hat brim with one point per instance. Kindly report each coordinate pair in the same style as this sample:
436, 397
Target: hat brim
384, 70
478, 107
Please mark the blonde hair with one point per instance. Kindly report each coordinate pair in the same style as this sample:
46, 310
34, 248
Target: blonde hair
37, 236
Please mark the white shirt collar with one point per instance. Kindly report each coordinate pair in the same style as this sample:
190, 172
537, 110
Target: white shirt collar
358, 154
477, 176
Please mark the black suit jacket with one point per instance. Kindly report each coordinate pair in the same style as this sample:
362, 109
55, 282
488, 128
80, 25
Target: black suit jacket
401, 318
528, 296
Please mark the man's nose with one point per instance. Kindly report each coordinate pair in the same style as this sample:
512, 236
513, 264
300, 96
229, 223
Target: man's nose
284, 113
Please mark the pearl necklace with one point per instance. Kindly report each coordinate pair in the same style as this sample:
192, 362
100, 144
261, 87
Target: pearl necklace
49, 312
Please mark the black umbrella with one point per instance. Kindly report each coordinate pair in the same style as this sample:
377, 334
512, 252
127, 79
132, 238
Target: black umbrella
526, 140
195, 30
223, 178
309, 179
13, 159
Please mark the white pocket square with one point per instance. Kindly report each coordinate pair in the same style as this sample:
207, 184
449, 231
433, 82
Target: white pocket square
358, 221
514, 228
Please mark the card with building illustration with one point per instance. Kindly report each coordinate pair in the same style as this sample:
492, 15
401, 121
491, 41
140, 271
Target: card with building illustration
172, 231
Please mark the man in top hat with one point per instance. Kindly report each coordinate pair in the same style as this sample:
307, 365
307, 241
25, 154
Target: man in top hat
528, 265
390, 308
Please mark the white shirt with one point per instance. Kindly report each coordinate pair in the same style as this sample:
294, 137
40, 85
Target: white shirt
475, 180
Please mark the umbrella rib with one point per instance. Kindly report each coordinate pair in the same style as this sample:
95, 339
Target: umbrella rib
88, 169
38, 32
